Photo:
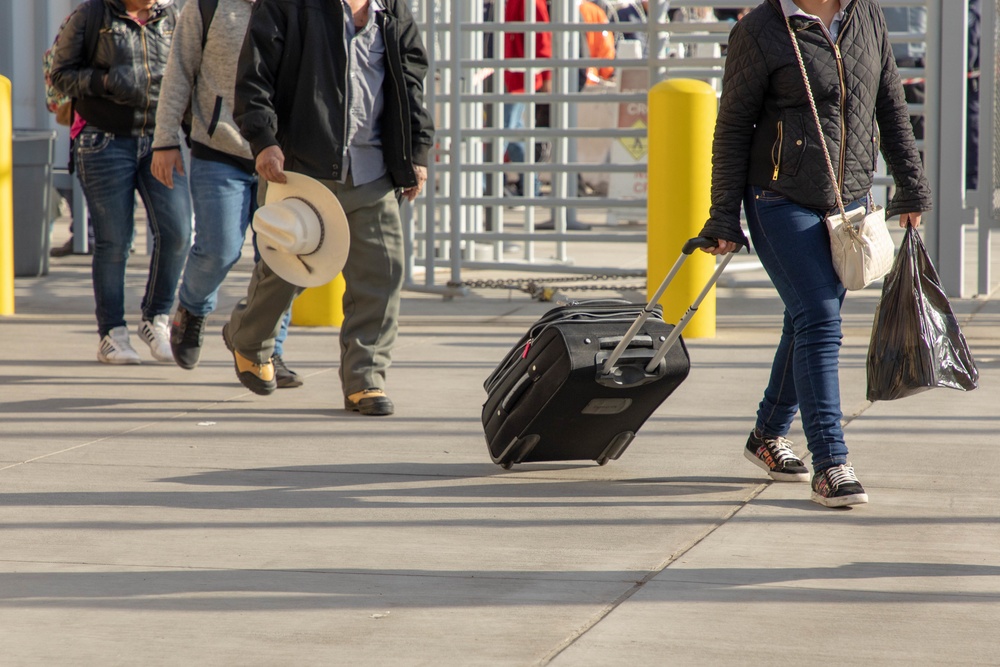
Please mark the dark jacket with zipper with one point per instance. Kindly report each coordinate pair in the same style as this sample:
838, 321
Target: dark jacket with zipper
291, 87
115, 91
765, 134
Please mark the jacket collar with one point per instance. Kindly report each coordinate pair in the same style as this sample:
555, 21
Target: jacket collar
119, 5
779, 5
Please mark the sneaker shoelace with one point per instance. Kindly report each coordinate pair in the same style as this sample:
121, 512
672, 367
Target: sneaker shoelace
193, 327
841, 475
782, 451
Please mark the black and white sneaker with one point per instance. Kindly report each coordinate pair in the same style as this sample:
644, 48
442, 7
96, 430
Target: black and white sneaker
115, 348
156, 334
774, 455
187, 333
838, 487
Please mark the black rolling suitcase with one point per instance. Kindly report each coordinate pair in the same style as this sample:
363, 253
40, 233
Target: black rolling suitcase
586, 376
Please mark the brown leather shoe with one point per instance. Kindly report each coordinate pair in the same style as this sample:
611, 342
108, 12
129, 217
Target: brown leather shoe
258, 378
371, 401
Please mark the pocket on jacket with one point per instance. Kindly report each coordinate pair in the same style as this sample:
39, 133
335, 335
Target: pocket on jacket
216, 115
790, 146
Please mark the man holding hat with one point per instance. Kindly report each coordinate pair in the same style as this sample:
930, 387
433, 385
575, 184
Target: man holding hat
332, 92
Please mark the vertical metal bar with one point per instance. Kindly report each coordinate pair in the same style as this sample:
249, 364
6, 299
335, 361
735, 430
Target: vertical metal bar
988, 148
560, 78
530, 177
428, 217
455, 83
41, 20
945, 68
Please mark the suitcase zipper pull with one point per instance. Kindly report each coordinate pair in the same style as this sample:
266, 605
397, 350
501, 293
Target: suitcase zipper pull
527, 346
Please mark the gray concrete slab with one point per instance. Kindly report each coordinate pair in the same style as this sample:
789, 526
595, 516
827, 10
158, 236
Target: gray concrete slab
158, 516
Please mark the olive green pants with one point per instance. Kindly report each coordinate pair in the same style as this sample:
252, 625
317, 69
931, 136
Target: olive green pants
374, 277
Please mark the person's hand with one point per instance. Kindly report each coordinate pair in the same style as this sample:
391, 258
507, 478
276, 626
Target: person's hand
722, 247
421, 173
909, 220
271, 164
164, 164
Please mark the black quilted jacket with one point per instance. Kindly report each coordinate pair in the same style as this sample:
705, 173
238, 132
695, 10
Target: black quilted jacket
116, 91
766, 136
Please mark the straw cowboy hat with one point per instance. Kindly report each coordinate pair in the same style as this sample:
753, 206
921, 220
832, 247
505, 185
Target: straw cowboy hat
302, 231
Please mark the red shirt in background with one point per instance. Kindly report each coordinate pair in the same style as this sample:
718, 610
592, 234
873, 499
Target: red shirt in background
513, 44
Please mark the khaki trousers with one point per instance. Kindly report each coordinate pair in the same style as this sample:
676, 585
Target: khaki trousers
374, 277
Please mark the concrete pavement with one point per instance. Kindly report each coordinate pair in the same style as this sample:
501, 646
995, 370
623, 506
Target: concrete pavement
158, 516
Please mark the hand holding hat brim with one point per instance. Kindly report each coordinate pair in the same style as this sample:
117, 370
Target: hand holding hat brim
302, 231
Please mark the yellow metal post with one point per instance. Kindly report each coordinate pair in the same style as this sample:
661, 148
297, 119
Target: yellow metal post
321, 306
6, 200
681, 124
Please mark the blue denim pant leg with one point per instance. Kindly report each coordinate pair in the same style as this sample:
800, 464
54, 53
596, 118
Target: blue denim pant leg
794, 247
224, 198
168, 212
513, 119
111, 169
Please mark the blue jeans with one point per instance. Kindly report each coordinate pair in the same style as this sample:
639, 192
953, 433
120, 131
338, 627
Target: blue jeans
794, 247
513, 119
111, 169
224, 198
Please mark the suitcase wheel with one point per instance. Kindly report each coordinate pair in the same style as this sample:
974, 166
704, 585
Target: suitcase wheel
615, 447
517, 450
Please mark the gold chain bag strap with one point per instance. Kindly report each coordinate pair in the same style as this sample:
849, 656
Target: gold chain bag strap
859, 242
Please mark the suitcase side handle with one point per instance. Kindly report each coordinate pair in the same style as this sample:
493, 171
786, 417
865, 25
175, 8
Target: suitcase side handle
609, 342
516, 392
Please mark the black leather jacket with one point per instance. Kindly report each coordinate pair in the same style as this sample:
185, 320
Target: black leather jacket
117, 90
291, 87
766, 136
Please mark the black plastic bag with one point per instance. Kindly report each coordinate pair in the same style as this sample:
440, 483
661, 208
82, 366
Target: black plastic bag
916, 342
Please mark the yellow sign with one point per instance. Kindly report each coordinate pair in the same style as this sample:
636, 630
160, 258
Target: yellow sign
637, 147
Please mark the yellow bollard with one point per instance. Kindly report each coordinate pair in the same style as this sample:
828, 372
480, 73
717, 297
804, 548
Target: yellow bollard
6, 200
681, 124
321, 306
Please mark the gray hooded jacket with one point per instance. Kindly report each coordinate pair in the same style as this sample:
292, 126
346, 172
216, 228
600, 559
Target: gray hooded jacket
205, 78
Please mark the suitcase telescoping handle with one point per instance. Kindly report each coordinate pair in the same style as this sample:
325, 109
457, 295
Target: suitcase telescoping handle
689, 248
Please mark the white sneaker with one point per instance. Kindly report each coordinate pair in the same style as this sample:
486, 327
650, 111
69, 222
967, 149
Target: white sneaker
156, 335
116, 349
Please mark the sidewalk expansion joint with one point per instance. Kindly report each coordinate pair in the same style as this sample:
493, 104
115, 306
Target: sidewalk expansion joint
652, 574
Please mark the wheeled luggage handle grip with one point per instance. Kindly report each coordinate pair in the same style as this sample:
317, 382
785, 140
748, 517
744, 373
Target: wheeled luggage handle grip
698, 242
688, 249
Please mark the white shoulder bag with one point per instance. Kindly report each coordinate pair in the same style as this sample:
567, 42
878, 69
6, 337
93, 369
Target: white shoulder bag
860, 243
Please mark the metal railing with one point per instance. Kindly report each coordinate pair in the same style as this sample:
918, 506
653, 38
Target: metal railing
466, 222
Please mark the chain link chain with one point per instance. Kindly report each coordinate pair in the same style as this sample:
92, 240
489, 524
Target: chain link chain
538, 290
